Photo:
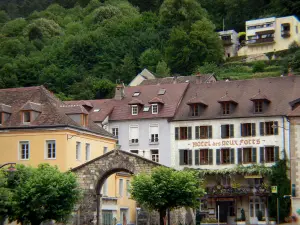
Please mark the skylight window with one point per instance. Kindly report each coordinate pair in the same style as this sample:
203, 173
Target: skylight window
161, 91
135, 94
96, 110
146, 109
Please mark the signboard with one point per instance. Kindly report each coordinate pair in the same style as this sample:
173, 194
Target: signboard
234, 142
274, 189
252, 176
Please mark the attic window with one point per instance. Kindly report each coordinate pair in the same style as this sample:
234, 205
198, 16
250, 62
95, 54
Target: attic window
146, 108
154, 109
135, 94
84, 120
161, 91
26, 117
134, 110
96, 110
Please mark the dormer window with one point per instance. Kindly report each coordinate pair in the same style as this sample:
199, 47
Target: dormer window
154, 108
227, 104
260, 102
30, 111
84, 120
258, 106
134, 110
197, 105
26, 117
225, 108
5, 111
195, 108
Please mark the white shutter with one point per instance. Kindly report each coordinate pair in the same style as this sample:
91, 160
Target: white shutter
134, 132
153, 129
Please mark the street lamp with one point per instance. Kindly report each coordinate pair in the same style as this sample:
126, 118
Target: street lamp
11, 167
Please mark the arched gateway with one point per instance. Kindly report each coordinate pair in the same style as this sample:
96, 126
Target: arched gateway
91, 176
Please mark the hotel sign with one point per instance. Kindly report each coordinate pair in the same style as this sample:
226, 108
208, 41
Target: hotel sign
228, 143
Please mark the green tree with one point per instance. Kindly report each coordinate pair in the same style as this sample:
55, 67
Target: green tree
42, 194
150, 58
5, 197
162, 69
13, 28
166, 188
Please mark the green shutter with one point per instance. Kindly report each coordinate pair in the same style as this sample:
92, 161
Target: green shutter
254, 155
275, 127
197, 135
276, 153
232, 155
262, 128
210, 132
223, 131
242, 135
253, 128
197, 157
210, 156
218, 156
239, 153
190, 159
231, 131
189, 133
181, 157
262, 154
176, 133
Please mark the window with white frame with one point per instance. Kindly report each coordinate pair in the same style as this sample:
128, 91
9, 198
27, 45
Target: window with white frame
26, 117
115, 131
134, 134
87, 152
120, 187
105, 149
257, 203
155, 155
154, 108
50, 149
153, 133
78, 150
134, 110
134, 151
24, 149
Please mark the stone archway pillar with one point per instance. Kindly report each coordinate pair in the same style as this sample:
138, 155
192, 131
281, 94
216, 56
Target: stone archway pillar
99, 208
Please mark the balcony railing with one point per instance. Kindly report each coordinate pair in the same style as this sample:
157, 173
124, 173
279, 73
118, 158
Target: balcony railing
133, 141
153, 141
260, 41
220, 190
285, 33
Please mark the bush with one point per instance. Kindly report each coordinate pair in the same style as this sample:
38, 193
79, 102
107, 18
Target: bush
236, 58
258, 66
272, 69
209, 220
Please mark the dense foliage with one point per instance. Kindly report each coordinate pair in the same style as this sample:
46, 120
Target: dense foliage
37, 194
75, 51
166, 188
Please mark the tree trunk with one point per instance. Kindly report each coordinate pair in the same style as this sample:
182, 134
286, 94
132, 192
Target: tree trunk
162, 216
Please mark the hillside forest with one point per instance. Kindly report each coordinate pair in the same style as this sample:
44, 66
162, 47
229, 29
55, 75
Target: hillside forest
79, 49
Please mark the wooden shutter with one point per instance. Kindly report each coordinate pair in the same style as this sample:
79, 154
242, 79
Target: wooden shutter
242, 134
190, 157
181, 157
210, 132
197, 135
276, 153
239, 153
197, 157
232, 155
218, 156
223, 131
254, 155
176, 133
275, 127
189, 130
231, 131
262, 154
210, 156
262, 128
253, 129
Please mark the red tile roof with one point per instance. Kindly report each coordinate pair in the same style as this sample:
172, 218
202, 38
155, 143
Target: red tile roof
156, 100
37, 107
179, 79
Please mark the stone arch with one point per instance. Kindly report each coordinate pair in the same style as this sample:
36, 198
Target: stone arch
91, 177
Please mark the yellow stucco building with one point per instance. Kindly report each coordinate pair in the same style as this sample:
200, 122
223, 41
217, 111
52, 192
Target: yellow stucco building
36, 127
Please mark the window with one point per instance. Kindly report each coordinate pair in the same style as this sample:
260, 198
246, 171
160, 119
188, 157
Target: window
120, 187
183, 133
203, 205
134, 151
154, 108
154, 133
24, 149
127, 188
84, 120
225, 180
247, 129
203, 132
185, 157
146, 108
87, 152
257, 203
204, 157
256, 182
135, 94
161, 91
225, 156
51, 149
105, 149
78, 150
134, 110
269, 128
105, 188
227, 131
134, 134
246, 155
195, 110
225, 108
154, 155
258, 106
115, 131
26, 117
269, 154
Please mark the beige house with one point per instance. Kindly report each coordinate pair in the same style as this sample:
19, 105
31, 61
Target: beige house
270, 35
230, 42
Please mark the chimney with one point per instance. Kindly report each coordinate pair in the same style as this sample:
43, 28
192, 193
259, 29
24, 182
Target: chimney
119, 93
198, 78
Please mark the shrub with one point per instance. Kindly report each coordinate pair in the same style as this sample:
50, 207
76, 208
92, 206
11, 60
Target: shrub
258, 66
272, 68
209, 220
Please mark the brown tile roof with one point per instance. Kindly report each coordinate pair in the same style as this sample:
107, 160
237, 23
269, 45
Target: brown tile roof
156, 100
180, 79
37, 107
226, 98
73, 109
51, 114
295, 112
5, 108
135, 101
260, 96
196, 100
280, 91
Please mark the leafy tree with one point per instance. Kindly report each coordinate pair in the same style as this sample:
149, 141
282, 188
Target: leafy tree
3, 17
13, 28
162, 69
150, 58
38, 194
166, 188
5, 197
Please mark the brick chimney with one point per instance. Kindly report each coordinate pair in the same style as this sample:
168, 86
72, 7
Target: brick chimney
198, 78
119, 93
